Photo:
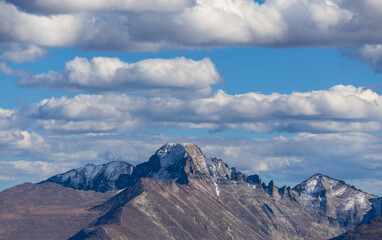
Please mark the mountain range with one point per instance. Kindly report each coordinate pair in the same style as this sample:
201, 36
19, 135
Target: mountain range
179, 193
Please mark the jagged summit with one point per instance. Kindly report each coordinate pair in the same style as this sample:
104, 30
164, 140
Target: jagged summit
171, 152
173, 159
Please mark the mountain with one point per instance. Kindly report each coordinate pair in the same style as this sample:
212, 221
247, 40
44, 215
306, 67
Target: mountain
100, 178
186, 195
333, 200
47, 211
180, 193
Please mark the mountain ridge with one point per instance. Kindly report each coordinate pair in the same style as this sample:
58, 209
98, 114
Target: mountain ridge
181, 192
189, 167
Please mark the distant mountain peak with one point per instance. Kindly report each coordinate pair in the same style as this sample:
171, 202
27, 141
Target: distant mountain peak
173, 159
99, 178
327, 196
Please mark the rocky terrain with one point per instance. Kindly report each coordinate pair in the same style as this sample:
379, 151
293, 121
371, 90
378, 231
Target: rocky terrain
182, 194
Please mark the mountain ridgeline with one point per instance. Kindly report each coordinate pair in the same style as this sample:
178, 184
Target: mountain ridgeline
181, 194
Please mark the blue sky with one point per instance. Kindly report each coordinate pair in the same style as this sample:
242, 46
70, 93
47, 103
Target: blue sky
282, 89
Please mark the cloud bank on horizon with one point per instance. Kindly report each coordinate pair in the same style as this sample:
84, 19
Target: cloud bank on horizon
115, 103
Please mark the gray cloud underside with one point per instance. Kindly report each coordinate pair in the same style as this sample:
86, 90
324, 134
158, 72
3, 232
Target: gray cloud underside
147, 25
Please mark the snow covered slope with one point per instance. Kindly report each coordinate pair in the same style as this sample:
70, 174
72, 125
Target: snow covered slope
334, 199
99, 178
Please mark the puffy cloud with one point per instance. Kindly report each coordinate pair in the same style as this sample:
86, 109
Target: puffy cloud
178, 76
338, 109
14, 142
13, 119
57, 30
19, 53
371, 55
147, 25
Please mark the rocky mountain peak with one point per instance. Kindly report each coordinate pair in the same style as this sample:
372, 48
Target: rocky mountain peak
333, 198
179, 160
179, 148
318, 184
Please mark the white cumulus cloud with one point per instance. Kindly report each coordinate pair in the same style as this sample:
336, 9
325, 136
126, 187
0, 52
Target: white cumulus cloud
177, 76
150, 25
19, 53
338, 109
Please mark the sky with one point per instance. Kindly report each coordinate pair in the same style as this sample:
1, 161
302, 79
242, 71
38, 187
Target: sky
284, 89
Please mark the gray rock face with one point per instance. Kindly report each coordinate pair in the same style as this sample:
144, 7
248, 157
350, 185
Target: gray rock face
100, 178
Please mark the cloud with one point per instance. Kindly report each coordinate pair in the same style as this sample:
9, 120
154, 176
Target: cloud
29, 168
7, 178
19, 53
371, 55
13, 119
71, 6
338, 109
148, 26
178, 76
21, 170
52, 31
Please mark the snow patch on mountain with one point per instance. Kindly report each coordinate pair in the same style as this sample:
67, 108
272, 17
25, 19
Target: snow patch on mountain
93, 177
323, 194
339, 191
213, 165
